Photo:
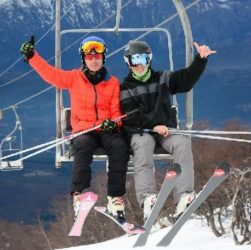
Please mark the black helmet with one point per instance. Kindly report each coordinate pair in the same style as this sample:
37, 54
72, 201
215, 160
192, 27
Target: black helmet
137, 47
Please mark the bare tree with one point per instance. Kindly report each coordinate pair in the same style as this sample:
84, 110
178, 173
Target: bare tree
240, 195
235, 192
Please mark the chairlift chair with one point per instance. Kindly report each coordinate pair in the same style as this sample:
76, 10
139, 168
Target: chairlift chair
63, 113
9, 139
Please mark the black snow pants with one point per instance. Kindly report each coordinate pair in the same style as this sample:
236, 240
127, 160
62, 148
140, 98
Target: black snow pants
118, 154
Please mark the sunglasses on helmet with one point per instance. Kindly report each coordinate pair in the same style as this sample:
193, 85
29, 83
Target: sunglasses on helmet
89, 57
93, 45
136, 59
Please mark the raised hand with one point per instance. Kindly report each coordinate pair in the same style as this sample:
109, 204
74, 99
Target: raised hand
27, 48
203, 50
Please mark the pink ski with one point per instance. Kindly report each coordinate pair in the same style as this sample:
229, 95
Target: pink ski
88, 200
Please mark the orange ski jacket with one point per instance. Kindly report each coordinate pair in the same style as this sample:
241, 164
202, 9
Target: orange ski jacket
90, 104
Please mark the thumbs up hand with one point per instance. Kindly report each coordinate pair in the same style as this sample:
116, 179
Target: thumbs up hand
28, 49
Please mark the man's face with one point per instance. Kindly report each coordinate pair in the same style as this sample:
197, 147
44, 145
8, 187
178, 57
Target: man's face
94, 61
140, 69
139, 63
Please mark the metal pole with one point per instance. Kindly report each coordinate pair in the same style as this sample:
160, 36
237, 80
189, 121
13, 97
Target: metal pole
189, 57
118, 17
58, 91
17, 126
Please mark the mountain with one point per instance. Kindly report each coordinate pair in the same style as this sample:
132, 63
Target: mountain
221, 24
218, 23
222, 93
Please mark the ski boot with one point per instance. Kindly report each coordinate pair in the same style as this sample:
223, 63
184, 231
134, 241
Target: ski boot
116, 208
76, 204
148, 204
185, 200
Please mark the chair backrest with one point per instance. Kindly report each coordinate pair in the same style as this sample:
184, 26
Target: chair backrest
67, 120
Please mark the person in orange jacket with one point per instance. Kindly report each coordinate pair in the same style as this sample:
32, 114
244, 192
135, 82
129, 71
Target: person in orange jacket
94, 95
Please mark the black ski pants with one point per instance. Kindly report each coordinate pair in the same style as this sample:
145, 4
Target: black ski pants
118, 154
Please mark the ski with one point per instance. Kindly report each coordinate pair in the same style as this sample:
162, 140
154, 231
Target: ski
88, 200
171, 177
128, 228
219, 175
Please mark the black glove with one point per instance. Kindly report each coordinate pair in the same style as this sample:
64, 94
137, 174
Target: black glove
27, 48
109, 125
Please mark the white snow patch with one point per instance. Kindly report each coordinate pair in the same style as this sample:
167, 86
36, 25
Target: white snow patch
194, 235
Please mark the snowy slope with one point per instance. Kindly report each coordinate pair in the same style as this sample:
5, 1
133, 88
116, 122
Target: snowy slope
193, 236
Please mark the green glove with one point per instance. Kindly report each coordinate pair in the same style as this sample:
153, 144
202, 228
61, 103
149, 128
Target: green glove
109, 125
27, 48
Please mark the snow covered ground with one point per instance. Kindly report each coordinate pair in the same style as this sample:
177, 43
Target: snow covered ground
194, 235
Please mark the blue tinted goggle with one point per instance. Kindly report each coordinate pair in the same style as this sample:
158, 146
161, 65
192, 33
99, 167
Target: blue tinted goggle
142, 58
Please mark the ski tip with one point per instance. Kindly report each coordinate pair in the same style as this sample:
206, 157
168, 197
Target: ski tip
173, 170
89, 196
137, 231
74, 235
223, 169
100, 209
131, 229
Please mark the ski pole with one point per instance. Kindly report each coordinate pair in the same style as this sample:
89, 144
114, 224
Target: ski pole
200, 135
217, 137
32, 148
173, 131
48, 145
179, 131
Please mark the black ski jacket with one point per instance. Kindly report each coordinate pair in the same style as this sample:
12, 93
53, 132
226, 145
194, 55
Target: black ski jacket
153, 98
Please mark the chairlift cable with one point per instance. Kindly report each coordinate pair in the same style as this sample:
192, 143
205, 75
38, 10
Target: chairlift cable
65, 49
41, 38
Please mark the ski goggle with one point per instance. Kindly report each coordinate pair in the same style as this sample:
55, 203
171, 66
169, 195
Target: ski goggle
136, 59
93, 45
89, 57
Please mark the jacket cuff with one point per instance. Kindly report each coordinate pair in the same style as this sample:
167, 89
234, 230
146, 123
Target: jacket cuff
200, 60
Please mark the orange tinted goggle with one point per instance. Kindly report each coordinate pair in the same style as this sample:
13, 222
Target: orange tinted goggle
89, 57
93, 45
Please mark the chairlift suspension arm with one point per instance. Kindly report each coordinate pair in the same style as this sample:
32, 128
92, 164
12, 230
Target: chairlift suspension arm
189, 57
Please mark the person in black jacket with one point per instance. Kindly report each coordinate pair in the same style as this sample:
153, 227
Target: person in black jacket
150, 91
